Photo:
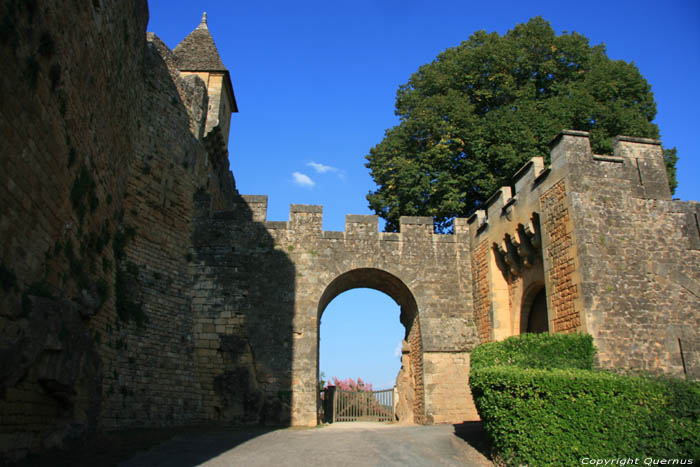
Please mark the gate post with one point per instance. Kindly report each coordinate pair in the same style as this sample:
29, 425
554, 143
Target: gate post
329, 404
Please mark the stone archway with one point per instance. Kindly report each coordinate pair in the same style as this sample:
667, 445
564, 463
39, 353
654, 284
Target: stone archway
410, 387
427, 274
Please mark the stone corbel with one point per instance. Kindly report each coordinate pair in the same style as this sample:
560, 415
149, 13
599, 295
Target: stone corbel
510, 256
532, 232
524, 246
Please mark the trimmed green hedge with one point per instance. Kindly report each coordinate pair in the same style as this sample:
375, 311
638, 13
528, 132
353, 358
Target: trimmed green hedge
545, 351
559, 416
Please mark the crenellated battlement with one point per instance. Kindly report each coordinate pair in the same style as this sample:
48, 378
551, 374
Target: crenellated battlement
309, 218
637, 165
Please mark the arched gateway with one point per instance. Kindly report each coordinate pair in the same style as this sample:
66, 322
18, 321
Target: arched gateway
290, 271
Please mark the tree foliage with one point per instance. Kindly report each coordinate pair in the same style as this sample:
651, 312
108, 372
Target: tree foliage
473, 116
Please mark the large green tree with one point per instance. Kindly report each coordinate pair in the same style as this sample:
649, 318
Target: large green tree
472, 117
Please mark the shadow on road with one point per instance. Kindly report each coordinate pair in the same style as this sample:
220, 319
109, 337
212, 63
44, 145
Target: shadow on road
180, 447
193, 445
474, 434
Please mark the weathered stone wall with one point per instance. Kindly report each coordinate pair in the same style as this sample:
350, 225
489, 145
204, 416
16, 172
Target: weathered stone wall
416, 381
148, 345
243, 312
137, 288
64, 153
516, 245
482, 296
102, 150
639, 256
404, 388
447, 382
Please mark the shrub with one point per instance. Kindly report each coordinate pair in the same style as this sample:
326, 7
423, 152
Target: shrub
542, 404
537, 351
559, 416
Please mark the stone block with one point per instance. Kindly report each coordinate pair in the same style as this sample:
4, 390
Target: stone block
361, 224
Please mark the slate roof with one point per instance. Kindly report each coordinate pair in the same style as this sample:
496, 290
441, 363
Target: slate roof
197, 51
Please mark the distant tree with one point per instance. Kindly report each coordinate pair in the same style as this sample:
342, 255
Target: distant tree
473, 116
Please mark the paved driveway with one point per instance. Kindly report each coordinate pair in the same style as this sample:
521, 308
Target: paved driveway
339, 444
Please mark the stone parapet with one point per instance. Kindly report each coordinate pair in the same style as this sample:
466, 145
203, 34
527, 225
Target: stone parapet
310, 218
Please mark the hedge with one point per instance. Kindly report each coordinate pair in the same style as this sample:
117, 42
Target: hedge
560, 416
537, 351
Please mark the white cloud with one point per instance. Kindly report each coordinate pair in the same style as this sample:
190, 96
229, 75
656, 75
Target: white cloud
322, 168
302, 180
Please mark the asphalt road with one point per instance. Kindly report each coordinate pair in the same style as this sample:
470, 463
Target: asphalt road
339, 444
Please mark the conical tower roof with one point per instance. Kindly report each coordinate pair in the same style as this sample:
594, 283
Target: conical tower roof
197, 51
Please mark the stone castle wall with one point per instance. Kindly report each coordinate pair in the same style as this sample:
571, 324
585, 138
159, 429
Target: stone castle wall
149, 367
638, 256
66, 146
620, 258
415, 386
102, 150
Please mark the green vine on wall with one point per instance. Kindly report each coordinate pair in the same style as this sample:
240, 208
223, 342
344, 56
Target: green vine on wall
82, 193
126, 280
8, 280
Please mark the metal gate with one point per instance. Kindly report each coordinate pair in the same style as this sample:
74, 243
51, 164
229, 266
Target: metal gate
351, 406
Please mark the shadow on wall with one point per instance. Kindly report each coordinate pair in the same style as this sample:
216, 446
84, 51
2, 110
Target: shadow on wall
243, 312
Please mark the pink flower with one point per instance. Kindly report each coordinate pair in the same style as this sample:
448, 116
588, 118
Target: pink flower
351, 385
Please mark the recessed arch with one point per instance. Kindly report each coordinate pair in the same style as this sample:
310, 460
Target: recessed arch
534, 317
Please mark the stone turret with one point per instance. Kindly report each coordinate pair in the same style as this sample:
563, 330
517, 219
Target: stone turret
197, 55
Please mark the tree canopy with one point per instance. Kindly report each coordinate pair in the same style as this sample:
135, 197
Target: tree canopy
473, 116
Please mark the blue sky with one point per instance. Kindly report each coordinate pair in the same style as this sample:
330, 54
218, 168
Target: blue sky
315, 84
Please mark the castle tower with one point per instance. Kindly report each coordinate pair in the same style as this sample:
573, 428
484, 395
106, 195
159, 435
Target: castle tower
197, 55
